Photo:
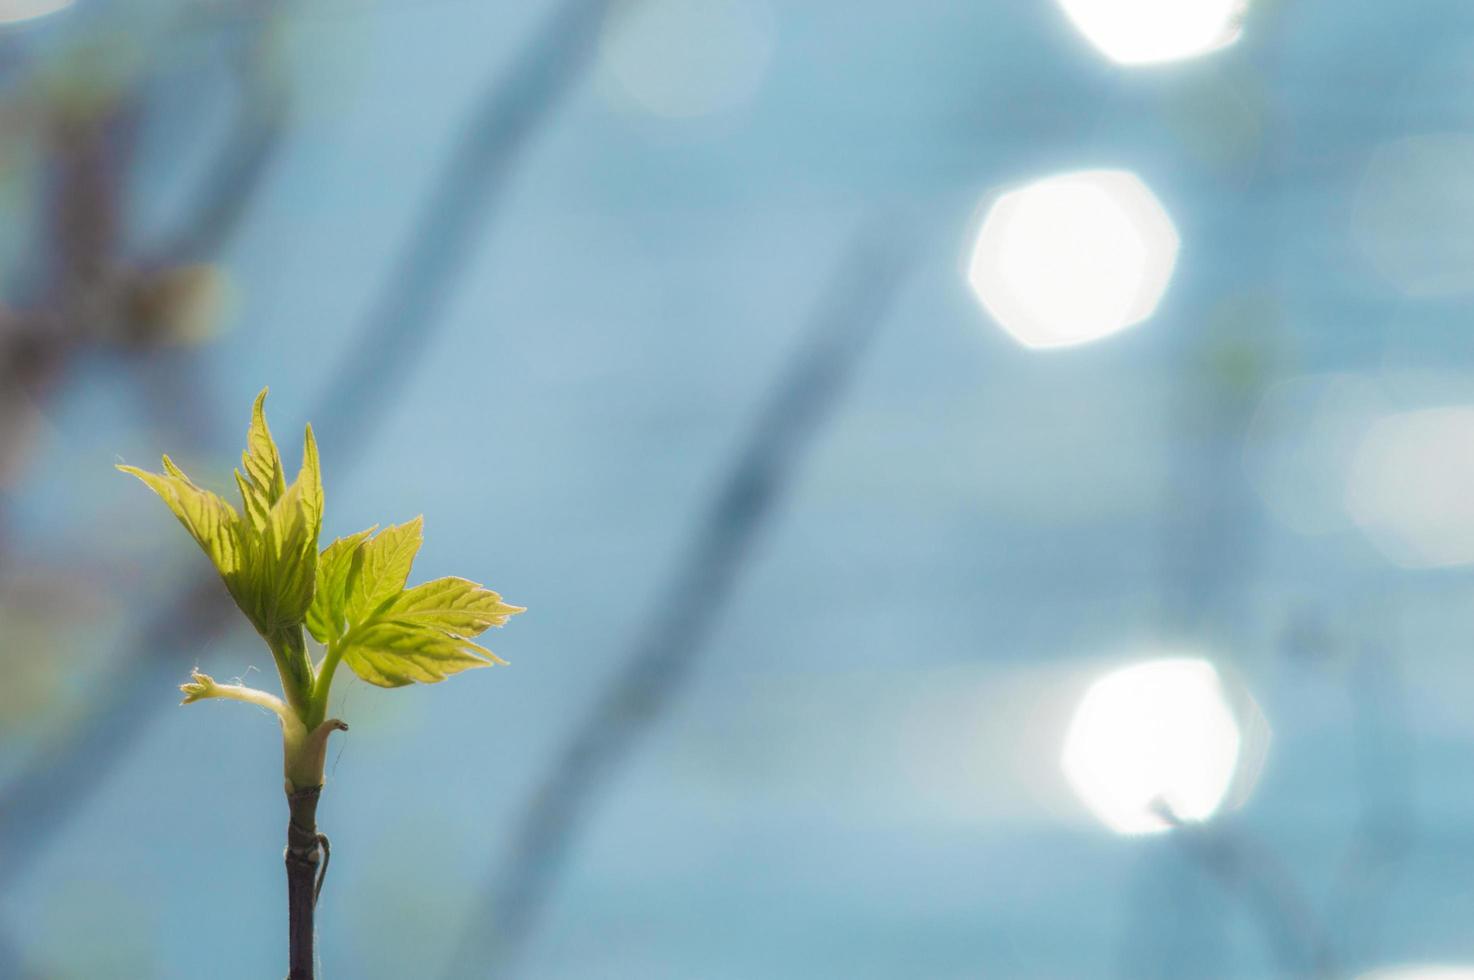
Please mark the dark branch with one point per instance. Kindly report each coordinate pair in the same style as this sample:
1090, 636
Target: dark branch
665, 652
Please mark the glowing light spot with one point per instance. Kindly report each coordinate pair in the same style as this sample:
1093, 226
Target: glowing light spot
1411, 487
685, 58
16, 11
1073, 258
1153, 735
1300, 445
1421, 973
1413, 211
1143, 31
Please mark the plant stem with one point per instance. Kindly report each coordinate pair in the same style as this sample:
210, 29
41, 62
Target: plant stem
289, 650
323, 682
306, 853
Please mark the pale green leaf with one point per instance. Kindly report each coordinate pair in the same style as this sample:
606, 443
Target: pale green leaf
265, 480
210, 520
253, 504
351, 597
289, 560
389, 653
309, 479
336, 567
387, 559
453, 605
268, 556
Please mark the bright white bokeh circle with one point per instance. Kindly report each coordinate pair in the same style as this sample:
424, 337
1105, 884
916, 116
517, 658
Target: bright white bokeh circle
1154, 734
1411, 486
1144, 31
1073, 258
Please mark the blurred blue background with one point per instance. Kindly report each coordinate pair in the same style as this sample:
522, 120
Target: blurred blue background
644, 210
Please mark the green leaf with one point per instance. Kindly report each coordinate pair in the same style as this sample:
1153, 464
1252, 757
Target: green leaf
309, 479
390, 653
288, 561
265, 480
453, 605
395, 636
384, 567
351, 597
211, 521
268, 557
336, 567
289, 554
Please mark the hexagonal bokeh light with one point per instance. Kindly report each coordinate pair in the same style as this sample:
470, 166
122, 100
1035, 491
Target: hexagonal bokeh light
1412, 212
1411, 486
1073, 258
1162, 734
1143, 31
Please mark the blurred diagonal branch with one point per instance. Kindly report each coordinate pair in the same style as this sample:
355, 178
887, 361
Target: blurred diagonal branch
474, 182
242, 162
661, 659
1253, 874
1386, 826
34, 805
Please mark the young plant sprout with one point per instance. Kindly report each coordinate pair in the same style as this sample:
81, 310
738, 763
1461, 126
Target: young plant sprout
353, 601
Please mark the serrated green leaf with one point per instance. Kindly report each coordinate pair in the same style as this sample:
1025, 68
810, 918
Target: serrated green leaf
389, 653
290, 560
211, 521
351, 597
384, 568
268, 556
336, 568
453, 605
309, 479
254, 505
265, 480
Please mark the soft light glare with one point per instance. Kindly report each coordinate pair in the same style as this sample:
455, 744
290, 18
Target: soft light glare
1421, 973
1073, 258
1412, 214
1154, 734
15, 11
1300, 445
1143, 31
686, 58
1411, 487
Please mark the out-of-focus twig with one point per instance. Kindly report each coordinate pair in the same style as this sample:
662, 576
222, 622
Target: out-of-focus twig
1387, 821
34, 806
244, 159
474, 182
89, 296
1252, 874
664, 653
